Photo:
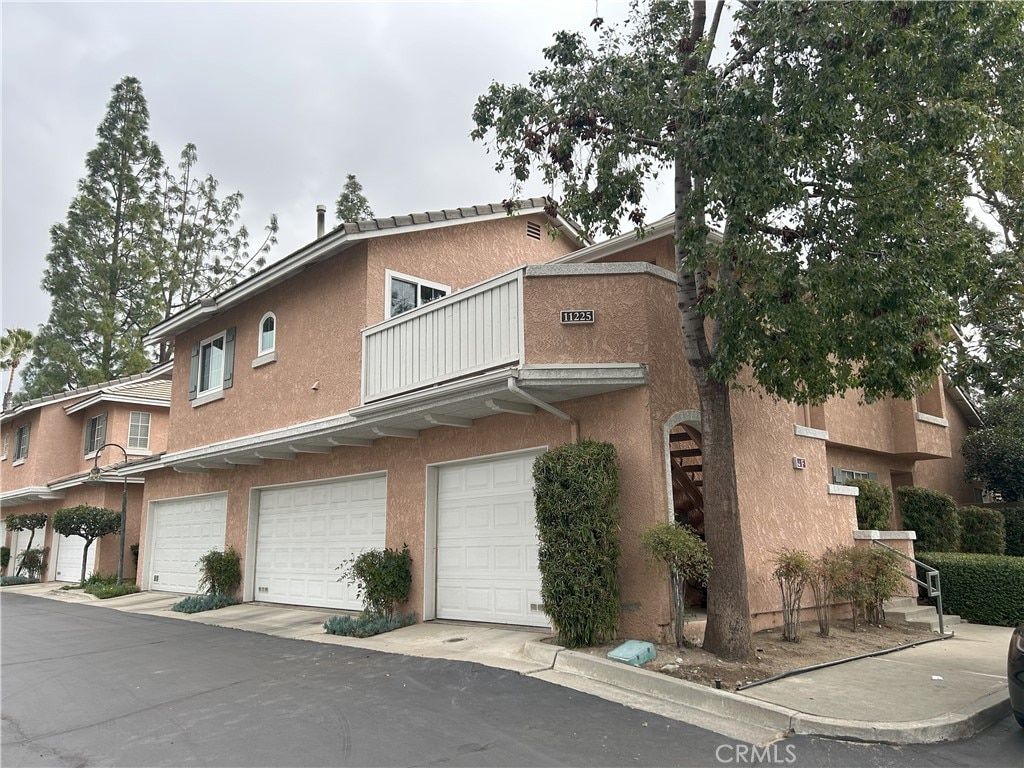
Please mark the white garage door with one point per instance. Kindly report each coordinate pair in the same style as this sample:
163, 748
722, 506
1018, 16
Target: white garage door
69, 557
21, 539
183, 531
487, 542
306, 531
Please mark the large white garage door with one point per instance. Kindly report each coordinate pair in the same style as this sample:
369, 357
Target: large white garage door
487, 542
306, 531
69, 557
183, 531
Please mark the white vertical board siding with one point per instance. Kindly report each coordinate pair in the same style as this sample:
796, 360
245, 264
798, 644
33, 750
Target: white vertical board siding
183, 531
487, 542
306, 531
452, 337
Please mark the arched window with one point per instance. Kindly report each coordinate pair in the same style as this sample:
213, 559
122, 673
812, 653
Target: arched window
268, 333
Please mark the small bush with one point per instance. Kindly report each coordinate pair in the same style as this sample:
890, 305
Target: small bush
5, 557
982, 531
793, 569
135, 555
933, 515
220, 572
684, 552
208, 602
11, 581
826, 574
105, 591
576, 489
867, 577
367, 624
1013, 519
383, 578
33, 561
874, 505
986, 589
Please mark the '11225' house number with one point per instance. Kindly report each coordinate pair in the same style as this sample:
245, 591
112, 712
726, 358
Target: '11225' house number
570, 316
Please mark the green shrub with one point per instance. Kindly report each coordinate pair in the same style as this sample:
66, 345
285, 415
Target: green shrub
576, 488
1013, 519
33, 562
986, 589
982, 531
933, 515
11, 581
208, 602
793, 570
5, 557
105, 591
367, 624
135, 555
685, 553
874, 505
383, 578
220, 572
867, 577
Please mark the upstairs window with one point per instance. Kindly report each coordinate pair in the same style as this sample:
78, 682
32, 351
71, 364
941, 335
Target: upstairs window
406, 292
842, 476
138, 430
213, 361
95, 433
21, 442
268, 333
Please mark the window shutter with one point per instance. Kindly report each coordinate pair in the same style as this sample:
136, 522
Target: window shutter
24, 441
229, 357
193, 378
101, 430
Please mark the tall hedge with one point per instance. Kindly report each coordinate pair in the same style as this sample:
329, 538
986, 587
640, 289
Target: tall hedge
982, 531
874, 505
986, 589
1013, 518
933, 515
576, 488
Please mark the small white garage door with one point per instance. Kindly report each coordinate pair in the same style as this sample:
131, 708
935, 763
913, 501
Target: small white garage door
21, 541
306, 531
487, 542
183, 530
69, 557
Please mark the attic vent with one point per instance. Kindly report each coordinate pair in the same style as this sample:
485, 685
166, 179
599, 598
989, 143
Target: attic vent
533, 230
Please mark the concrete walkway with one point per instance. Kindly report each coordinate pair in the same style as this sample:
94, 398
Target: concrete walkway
940, 691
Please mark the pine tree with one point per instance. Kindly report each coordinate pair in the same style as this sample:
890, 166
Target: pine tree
352, 204
100, 271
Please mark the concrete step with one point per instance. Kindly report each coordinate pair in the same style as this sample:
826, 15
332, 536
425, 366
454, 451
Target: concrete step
898, 603
899, 612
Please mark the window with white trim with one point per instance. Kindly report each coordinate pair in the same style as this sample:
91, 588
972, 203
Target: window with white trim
138, 430
21, 442
95, 433
268, 334
213, 360
841, 476
405, 292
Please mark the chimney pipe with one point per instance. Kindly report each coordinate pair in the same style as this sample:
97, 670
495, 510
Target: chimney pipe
321, 212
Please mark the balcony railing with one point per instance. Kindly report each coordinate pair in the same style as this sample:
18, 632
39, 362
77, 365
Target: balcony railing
464, 333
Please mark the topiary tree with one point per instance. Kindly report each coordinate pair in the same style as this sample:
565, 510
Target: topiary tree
684, 552
874, 505
86, 522
27, 522
933, 515
982, 531
576, 487
220, 573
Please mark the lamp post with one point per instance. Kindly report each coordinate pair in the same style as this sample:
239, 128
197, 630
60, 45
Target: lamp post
94, 474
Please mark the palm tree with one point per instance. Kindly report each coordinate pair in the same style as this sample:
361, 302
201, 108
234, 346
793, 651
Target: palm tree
14, 345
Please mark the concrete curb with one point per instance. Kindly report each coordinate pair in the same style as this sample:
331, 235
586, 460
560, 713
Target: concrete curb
950, 727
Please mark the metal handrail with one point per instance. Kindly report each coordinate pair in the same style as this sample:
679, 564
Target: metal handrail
933, 584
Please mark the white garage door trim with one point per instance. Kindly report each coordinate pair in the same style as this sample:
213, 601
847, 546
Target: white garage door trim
301, 532
68, 558
180, 573
435, 569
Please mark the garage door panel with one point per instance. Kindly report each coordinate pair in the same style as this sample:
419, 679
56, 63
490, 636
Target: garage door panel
304, 534
183, 531
69, 558
487, 542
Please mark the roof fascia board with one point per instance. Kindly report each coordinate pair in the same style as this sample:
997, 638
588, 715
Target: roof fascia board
59, 397
661, 228
112, 398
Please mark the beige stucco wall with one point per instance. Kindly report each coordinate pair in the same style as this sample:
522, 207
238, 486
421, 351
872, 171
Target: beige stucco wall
947, 475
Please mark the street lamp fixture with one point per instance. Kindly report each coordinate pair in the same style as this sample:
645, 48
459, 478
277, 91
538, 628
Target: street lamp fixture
95, 474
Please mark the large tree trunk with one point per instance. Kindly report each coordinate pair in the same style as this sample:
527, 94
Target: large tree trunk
728, 625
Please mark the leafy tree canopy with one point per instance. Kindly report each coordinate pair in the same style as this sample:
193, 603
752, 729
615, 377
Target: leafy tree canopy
87, 522
15, 344
994, 453
26, 522
831, 146
352, 204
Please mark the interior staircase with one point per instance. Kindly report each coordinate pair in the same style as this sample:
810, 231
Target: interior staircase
905, 610
686, 460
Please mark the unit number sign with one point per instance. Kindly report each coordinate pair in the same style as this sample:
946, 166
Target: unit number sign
570, 316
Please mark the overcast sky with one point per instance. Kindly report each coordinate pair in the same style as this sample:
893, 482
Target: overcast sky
281, 100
